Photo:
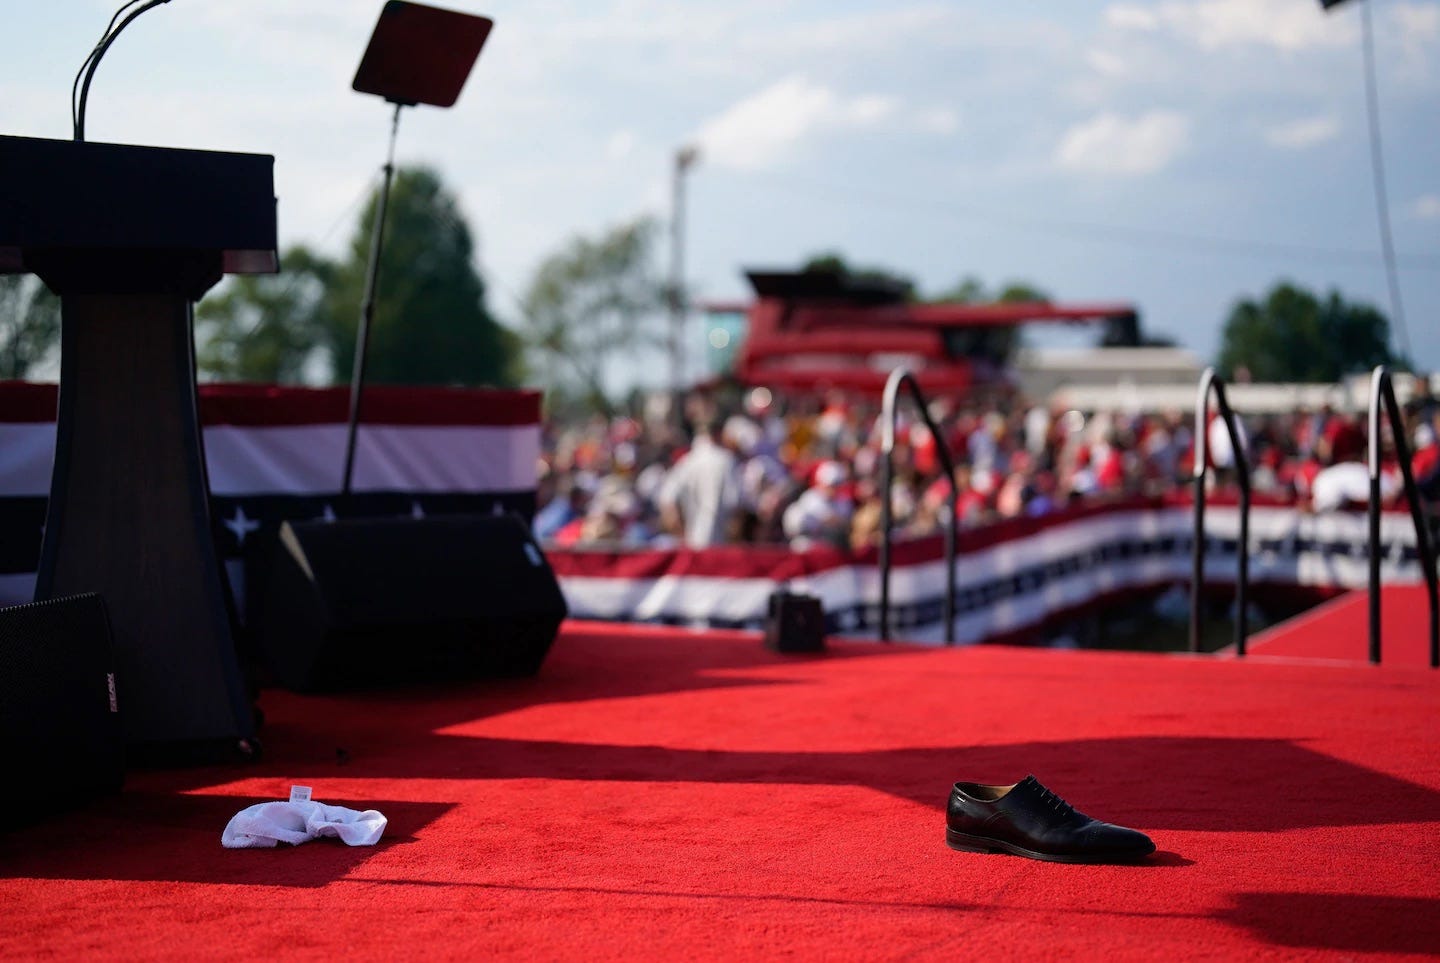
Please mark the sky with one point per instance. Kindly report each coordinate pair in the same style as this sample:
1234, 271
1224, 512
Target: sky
1176, 154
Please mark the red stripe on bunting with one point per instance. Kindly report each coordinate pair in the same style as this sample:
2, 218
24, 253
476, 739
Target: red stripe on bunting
728, 561
273, 406
269, 405
779, 563
23, 402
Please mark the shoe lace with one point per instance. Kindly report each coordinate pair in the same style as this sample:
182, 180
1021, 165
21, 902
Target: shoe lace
1053, 801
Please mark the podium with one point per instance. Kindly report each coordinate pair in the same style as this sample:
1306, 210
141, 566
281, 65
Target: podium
129, 238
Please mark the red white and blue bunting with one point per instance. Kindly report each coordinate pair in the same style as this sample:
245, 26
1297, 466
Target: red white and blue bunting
276, 454
1010, 577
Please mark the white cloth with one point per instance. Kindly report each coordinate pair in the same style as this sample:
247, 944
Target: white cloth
266, 824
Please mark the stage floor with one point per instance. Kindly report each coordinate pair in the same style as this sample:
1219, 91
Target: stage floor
1339, 629
660, 794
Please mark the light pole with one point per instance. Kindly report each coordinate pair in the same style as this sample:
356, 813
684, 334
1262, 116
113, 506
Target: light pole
685, 158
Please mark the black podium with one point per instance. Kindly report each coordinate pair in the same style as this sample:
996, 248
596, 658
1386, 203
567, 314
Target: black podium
130, 237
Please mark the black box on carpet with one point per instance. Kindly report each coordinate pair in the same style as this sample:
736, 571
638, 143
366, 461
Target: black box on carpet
795, 623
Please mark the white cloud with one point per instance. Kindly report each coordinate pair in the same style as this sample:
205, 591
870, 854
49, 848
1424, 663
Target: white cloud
939, 120
1299, 134
767, 127
1111, 144
1214, 24
1106, 63
1127, 16
871, 109
620, 145
1417, 22
890, 27
1409, 38
1426, 207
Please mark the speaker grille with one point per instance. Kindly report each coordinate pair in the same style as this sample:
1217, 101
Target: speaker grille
60, 734
370, 602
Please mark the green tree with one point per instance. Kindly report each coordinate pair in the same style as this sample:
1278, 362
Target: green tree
430, 325
1020, 292
1291, 335
592, 304
264, 327
29, 325
972, 290
996, 343
833, 262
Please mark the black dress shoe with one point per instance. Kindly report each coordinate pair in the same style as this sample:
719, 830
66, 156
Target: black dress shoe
1029, 820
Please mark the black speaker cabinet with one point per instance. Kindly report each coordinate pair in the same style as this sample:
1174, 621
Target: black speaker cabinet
60, 736
366, 603
795, 623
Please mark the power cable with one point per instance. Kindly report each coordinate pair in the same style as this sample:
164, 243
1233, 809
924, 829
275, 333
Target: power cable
1377, 167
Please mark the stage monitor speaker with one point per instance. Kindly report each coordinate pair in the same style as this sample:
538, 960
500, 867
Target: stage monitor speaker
795, 623
366, 603
61, 741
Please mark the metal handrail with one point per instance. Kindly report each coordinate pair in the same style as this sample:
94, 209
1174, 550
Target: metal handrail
887, 444
1382, 391
1210, 381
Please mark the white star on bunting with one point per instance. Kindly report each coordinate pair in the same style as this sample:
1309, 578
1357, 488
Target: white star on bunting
241, 525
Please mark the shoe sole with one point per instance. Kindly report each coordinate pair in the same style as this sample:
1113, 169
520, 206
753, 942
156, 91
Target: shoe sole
962, 842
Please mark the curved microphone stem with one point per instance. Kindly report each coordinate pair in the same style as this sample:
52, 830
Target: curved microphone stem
93, 61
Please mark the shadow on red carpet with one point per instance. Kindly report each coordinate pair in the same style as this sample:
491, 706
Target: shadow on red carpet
661, 794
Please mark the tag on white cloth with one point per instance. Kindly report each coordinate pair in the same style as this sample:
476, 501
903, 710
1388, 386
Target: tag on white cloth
268, 824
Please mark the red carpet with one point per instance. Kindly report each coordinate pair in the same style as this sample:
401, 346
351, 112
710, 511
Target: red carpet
658, 795
1340, 629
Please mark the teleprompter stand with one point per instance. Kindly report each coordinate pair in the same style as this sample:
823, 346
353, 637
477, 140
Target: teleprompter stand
130, 237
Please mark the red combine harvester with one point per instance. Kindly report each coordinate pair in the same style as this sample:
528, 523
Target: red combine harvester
813, 331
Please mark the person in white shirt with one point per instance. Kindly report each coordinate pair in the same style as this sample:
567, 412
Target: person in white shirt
701, 493
822, 512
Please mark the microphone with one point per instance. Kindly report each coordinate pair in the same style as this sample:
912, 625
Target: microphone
87, 68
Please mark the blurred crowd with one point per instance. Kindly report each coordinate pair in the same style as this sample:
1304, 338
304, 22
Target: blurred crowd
765, 469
